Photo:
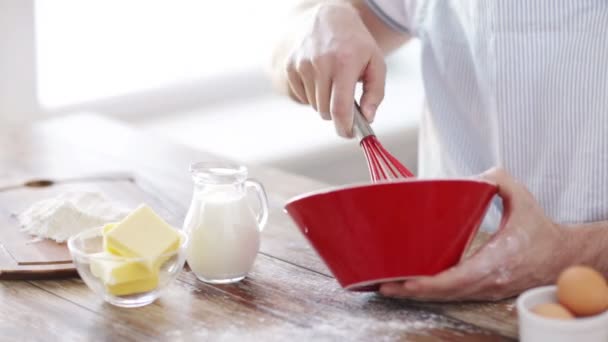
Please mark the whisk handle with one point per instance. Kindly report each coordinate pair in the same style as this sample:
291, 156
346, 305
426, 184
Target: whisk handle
361, 127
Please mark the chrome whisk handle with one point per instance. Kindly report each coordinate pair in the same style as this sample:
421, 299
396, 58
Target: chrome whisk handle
361, 127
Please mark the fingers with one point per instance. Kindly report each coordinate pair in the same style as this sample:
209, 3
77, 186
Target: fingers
336, 78
452, 284
374, 79
506, 184
302, 77
470, 280
515, 195
295, 84
327, 82
323, 94
306, 90
307, 75
342, 102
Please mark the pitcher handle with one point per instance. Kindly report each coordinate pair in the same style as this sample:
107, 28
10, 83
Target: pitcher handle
262, 216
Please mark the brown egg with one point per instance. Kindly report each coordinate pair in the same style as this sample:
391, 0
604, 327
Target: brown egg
582, 290
552, 310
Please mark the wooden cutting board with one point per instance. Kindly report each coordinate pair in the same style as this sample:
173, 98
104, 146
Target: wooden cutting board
21, 257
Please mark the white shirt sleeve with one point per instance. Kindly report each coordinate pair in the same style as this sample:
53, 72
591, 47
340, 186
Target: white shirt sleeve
394, 13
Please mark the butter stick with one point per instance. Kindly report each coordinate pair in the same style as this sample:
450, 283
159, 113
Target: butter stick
142, 234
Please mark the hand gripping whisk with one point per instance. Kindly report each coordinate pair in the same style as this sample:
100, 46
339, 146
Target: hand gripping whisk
382, 165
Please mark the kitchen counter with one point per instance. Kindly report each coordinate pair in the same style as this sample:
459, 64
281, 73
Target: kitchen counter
290, 294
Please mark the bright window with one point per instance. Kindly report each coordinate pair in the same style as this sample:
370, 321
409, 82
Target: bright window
89, 50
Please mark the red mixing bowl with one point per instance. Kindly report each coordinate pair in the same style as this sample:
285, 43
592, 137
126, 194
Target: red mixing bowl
370, 234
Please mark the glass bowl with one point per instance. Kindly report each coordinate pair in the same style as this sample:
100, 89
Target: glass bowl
124, 281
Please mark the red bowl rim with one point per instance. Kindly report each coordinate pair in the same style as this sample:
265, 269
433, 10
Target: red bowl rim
331, 189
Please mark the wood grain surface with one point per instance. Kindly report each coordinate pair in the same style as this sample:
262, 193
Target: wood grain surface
289, 295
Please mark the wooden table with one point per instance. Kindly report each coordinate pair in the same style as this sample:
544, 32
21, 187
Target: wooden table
290, 294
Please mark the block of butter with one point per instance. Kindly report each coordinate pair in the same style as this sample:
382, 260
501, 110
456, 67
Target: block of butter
142, 234
123, 277
105, 230
132, 287
113, 272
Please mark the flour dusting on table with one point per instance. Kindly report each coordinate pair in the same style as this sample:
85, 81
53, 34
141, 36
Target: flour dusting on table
67, 214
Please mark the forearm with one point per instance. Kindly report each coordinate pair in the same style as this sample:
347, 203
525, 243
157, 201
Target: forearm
387, 39
588, 244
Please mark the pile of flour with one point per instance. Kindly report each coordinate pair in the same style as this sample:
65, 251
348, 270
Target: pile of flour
68, 214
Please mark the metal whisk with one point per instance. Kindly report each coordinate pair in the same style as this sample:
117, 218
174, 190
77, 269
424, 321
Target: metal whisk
382, 165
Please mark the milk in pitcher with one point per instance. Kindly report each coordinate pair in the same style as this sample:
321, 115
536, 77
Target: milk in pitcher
224, 231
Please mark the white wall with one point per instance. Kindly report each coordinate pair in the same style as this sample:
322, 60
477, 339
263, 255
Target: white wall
191, 71
18, 102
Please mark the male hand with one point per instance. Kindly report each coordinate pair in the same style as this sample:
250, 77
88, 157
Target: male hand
528, 250
335, 51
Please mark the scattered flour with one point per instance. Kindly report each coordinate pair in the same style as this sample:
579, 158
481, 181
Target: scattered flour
67, 214
397, 326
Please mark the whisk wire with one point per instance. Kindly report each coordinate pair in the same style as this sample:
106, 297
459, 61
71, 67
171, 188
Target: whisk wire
370, 167
385, 158
378, 166
376, 170
381, 164
393, 161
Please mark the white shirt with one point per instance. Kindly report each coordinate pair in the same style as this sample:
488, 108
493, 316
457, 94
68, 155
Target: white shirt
521, 84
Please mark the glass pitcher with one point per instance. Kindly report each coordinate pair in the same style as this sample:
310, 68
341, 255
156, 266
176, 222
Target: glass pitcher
223, 229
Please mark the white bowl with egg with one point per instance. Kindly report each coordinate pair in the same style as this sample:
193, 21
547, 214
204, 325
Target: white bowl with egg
533, 327
124, 281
